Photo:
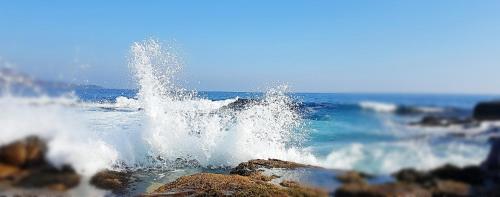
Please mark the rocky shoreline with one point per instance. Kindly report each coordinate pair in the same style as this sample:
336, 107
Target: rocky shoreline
23, 166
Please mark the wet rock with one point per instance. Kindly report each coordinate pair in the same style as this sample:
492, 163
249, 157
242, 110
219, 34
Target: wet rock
469, 174
29, 151
352, 177
247, 168
50, 178
111, 180
392, 189
487, 110
23, 165
206, 184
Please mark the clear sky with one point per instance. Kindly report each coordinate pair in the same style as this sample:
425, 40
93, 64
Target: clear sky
445, 46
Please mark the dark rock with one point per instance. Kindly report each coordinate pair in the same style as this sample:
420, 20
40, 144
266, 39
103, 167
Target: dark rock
444, 121
414, 176
240, 104
492, 162
469, 174
111, 180
29, 151
51, 178
487, 110
247, 168
384, 190
352, 177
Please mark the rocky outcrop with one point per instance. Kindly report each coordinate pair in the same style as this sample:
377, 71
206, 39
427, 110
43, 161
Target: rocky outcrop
207, 184
23, 165
487, 111
246, 179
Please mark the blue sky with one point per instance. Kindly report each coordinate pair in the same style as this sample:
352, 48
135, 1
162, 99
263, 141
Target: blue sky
315, 46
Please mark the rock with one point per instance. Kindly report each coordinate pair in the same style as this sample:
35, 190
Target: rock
489, 110
391, 189
451, 189
111, 180
414, 176
492, 162
207, 184
50, 178
240, 104
444, 121
352, 177
247, 168
29, 151
469, 174
9, 171
23, 165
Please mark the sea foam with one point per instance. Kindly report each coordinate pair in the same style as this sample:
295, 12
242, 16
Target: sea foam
183, 125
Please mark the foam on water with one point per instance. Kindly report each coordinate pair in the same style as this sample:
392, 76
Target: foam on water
378, 106
385, 158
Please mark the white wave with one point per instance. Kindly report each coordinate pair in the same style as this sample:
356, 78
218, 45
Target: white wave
182, 125
385, 158
378, 106
124, 102
429, 109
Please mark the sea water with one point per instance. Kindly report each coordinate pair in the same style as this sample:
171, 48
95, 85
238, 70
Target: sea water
166, 127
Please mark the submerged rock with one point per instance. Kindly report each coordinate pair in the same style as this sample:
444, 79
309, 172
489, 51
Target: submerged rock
489, 110
207, 184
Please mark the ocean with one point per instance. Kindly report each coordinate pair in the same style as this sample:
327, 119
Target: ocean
163, 131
